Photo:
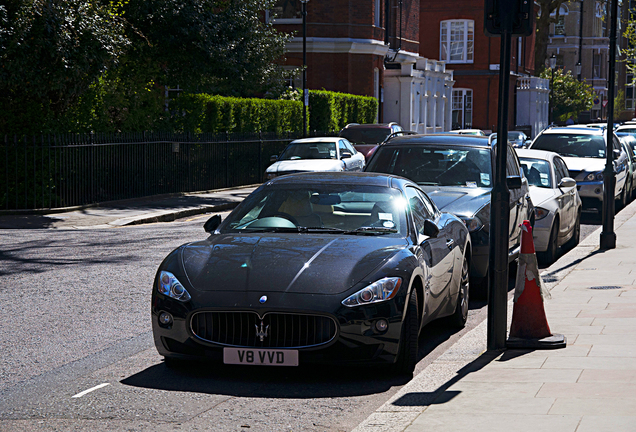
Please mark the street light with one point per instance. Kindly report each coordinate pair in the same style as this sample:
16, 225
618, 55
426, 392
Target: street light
305, 91
552, 66
578, 70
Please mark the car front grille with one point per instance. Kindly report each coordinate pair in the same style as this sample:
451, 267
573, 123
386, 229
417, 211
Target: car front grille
273, 330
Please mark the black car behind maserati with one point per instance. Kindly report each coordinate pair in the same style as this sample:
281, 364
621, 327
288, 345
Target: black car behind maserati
457, 172
315, 267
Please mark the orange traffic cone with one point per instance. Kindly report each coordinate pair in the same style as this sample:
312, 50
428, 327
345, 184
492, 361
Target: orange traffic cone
529, 328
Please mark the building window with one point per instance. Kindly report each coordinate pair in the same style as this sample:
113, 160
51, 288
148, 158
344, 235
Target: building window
376, 15
559, 26
462, 109
600, 19
285, 11
596, 67
457, 41
629, 92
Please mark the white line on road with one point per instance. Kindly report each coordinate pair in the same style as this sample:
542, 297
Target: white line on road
80, 394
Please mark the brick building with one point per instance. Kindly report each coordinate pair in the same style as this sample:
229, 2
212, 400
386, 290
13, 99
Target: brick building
355, 46
455, 35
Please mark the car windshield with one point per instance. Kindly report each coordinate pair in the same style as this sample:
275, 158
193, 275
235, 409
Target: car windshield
537, 171
328, 209
441, 166
514, 136
571, 145
374, 135
310, 150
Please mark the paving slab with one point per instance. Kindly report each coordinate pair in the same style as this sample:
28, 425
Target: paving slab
607, 407
458, 422
607, 423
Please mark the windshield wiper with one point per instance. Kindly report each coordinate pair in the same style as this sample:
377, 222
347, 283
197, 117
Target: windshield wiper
327, 230
428, 183
372, 230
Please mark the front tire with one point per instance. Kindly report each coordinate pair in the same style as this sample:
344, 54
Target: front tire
576, 236
550, 255
458, 319
407, 354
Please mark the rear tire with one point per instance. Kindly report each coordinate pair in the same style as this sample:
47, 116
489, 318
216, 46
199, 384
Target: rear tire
576, 236
550, 255
458, 319
407, 354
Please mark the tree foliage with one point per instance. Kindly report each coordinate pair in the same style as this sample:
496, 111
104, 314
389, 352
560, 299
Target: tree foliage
77, 65
51, 52
543, 21
569, 96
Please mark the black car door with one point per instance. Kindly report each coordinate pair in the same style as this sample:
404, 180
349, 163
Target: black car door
438, 252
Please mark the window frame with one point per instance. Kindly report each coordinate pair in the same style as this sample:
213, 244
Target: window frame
468, 54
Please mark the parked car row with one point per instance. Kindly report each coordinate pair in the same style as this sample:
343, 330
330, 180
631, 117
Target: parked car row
324, 263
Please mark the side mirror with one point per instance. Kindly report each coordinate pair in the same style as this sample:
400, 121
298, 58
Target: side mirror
273, 158
616, 153
527, 143
212, 224
567, 182
514, 182
345, 155
430, 229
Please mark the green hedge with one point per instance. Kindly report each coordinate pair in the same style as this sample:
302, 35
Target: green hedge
328, 112
206, 113
331, 111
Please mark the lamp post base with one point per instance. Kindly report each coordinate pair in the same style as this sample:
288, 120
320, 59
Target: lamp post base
608, 240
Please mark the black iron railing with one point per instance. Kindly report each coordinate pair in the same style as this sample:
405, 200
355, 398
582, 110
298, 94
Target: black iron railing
55, 171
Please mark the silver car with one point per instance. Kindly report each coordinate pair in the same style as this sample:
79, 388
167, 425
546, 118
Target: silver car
557, 204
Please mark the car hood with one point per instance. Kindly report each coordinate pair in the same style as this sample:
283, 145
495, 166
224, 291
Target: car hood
540, 195
585, 164
294, 263
459, 200
306, 165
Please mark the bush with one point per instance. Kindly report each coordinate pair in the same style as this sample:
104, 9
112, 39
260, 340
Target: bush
208, 113
331, 111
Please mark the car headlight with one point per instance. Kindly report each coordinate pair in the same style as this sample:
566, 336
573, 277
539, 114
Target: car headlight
170, 286
540, 213
594, 176
472, 223
379, 291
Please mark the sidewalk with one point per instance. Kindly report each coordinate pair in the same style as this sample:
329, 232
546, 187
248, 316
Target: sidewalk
588, 386
132, 211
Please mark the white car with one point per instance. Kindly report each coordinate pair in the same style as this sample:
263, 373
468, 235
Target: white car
316, 154
584, 151
557, 205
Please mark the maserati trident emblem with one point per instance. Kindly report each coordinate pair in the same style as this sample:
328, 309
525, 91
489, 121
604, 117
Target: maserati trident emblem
263, 299
262, 334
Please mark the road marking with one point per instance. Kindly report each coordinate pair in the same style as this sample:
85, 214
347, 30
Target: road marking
80, 394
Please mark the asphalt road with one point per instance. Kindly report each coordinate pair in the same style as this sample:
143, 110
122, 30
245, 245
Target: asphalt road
75, 309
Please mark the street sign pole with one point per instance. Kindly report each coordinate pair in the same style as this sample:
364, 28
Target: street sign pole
500, 213
608, 236
503, 18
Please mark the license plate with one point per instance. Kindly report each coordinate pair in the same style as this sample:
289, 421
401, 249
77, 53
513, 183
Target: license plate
260, 357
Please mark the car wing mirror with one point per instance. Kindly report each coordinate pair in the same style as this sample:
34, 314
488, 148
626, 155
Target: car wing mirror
567, 182
430, 229
514, 182
345, 155
616, 153
212, 224
273, 158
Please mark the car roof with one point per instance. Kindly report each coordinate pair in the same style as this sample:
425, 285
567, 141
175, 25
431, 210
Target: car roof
316, 139
351, 178
439, 139
574, 130
370, 125
535, 154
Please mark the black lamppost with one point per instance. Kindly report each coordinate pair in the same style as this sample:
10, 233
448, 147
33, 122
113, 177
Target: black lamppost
578, 71
305, 91
552, 66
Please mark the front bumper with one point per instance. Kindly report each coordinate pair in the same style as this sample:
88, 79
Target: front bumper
356, 340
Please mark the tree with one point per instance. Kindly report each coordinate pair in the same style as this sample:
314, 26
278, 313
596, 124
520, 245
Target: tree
569, 96
214, 46
51, 52
544, 19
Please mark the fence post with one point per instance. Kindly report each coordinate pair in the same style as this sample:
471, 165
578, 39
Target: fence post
260, 157
227, 159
